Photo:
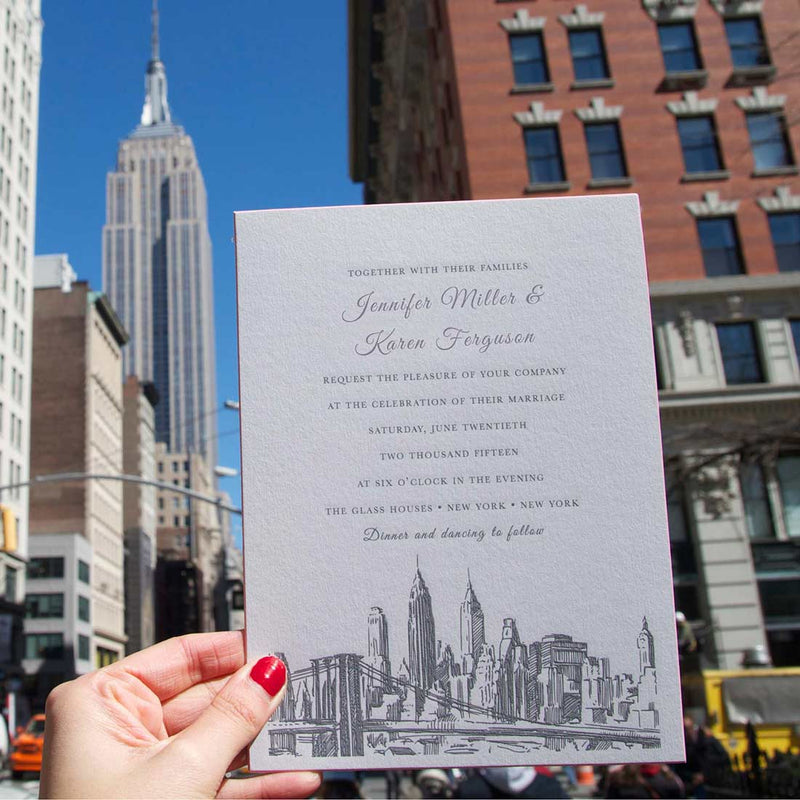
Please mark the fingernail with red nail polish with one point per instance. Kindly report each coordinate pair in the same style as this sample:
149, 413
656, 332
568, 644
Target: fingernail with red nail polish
270, 674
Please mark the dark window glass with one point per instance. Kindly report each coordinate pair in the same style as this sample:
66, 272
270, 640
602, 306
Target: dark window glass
769, 140
788, 469
784, 645
42, 606
684, 564
785, 230
756, 502
780, 598
528, 59
720, 245
83, 571
588, 55
44, 645
83, 647
687, 600
46, 568
543, 149
605, 150
237, 600
746, 41
679, 47
11, 585
83, 608
740, 358
699, 144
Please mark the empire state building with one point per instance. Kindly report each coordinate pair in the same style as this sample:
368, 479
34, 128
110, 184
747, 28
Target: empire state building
157, 267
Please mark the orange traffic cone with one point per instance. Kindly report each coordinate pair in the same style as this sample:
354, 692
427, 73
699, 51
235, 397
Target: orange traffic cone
585, 775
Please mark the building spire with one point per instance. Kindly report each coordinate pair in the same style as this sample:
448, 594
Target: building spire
154, 33
156, 108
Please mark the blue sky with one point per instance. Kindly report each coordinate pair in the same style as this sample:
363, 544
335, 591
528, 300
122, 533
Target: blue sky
260, 86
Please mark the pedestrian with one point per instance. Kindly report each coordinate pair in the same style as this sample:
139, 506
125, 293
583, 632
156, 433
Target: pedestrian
169, 721
663, 781
522, 782
628, 782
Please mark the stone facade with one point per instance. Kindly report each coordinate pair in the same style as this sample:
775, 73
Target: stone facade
139, 507
77, 376
189, 531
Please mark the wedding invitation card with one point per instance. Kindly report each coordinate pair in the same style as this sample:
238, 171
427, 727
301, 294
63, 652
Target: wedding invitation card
454, 522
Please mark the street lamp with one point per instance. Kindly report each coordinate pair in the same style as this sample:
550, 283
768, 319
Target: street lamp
233, 405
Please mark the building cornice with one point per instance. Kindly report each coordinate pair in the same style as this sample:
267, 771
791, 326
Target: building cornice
598, 111
761, 100
692, 105
783, 200
712, 206
537, 116
581, 17
523, 22
740, 284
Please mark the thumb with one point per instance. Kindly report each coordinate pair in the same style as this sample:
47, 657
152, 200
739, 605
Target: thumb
235, 716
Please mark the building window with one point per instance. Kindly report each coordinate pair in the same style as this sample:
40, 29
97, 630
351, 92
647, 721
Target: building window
746, 41
83, 571
83, 647
684, 563
44, 645
679, 47
604, 144
44, 606
785, 230
769, 140
739, 349
105, 657
756, 502
528, 59
11, 585
788, 469
46, 568
699, 144
589, 60
83, 608
543, 150
720, 245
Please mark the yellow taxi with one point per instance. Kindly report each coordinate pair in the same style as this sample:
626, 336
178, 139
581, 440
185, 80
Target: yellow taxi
26, 750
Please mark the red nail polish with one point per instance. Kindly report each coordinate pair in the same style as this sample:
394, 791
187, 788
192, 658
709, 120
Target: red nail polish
270, 674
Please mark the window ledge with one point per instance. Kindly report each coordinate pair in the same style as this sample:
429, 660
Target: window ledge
690, 79
606, 183
789, 169
557, 186
750, 76
525, 88
712, 175
595, 83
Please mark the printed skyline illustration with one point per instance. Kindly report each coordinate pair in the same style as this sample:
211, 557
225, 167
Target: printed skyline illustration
475, 697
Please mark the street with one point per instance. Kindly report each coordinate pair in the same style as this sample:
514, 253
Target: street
18, 790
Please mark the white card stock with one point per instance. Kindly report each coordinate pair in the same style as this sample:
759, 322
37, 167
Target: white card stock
454, 521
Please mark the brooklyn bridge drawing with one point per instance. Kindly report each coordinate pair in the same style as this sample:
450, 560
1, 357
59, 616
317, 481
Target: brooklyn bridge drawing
483, 697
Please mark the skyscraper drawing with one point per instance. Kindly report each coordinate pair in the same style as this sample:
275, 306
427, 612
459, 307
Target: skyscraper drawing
646, 647
378, 646
472, 629
157, 267
421, 634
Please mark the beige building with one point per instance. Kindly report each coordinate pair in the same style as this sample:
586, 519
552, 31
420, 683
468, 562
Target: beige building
139, 511
77, 408
190, 545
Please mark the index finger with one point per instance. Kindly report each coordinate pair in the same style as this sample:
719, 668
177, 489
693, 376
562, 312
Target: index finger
169, 668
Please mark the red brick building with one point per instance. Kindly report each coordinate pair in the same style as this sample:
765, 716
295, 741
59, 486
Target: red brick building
695, 106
